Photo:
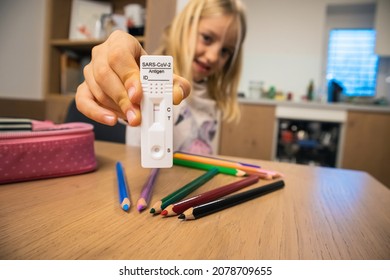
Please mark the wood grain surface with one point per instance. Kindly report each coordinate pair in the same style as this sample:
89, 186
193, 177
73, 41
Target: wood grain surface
321, 213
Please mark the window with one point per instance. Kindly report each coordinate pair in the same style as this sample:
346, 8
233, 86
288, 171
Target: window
352, 61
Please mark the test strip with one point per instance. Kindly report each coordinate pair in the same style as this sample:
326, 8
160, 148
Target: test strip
157, 111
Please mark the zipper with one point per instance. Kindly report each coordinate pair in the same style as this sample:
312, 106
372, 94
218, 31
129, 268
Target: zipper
53, 131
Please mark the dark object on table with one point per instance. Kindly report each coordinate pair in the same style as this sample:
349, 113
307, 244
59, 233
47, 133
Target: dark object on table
335, 89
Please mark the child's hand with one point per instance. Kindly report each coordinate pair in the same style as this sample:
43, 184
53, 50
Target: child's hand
112, 87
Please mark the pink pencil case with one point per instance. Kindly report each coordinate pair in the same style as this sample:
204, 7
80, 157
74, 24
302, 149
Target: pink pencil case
42, 149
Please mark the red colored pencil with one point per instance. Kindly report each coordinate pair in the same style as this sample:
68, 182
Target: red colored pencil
180, 207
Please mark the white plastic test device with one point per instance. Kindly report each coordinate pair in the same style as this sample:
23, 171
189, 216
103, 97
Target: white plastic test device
157, 111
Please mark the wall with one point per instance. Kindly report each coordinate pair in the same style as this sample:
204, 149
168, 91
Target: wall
22, 48
361, 16
286, 43
180, 5
284, 46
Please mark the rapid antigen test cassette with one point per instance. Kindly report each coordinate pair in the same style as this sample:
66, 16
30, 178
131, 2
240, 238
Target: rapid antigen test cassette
157, 111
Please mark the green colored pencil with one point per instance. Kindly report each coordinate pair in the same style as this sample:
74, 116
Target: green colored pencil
205, 166
157, 207
184, 191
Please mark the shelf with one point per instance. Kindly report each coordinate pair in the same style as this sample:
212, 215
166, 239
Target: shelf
61, 96
67, 58
81, 44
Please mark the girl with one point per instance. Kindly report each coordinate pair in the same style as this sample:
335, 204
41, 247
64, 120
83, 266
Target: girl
205, 40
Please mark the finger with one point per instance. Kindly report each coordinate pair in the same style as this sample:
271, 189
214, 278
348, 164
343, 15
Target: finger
134, 115
123, 58
96, 91
124, 54
87, 105
107, 80
181, 89
103, 100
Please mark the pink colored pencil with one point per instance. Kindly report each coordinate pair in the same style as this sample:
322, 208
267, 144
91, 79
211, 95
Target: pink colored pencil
262, 173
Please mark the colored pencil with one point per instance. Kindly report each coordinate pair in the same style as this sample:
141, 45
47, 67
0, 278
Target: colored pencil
124, 198
264, 174
238, 164
205, 166
229, 201
190, 187
156, 208
147, 190
184, 191
181, 206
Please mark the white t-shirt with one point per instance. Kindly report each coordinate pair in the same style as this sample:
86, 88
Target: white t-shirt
196, 124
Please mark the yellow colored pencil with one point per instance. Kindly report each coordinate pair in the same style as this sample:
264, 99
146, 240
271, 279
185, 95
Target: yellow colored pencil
262, 173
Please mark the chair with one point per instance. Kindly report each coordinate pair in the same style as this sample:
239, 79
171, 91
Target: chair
116, 133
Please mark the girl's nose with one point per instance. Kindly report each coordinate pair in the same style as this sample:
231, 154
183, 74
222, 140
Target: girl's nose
212, 54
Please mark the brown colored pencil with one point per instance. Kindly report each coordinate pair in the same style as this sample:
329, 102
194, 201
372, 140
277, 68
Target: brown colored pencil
183, 191
180, 207
229, 201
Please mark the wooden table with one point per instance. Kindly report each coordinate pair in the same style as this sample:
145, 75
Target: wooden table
321, 213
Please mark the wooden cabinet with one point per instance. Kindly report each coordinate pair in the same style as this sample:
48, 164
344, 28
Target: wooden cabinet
366, 144
253, 136
157, 16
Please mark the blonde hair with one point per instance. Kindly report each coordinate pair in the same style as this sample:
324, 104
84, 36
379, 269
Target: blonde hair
180, 37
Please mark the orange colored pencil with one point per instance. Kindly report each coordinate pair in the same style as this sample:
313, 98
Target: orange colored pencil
262, 173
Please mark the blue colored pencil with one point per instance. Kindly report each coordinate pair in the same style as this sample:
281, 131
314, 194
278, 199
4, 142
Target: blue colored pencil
147, 189
124, 199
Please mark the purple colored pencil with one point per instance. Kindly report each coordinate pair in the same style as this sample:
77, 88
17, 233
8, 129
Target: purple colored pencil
147, 190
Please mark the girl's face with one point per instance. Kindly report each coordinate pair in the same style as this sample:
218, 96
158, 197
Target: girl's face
215, 44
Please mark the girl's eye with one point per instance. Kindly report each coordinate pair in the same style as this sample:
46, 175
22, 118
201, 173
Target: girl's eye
226, 52
206, 38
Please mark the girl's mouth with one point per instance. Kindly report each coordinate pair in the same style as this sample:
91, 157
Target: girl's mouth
202, 67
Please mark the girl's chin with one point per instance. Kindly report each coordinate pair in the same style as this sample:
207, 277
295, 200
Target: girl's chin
198, 77
199, 73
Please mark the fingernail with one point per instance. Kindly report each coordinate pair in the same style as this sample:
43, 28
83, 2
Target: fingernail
131, 92
177, 100
130, 116
182, 92
109, 119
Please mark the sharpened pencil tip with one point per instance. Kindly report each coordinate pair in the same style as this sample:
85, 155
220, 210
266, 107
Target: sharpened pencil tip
125, 207
181, 216
140, 208
152, 211
164, 212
